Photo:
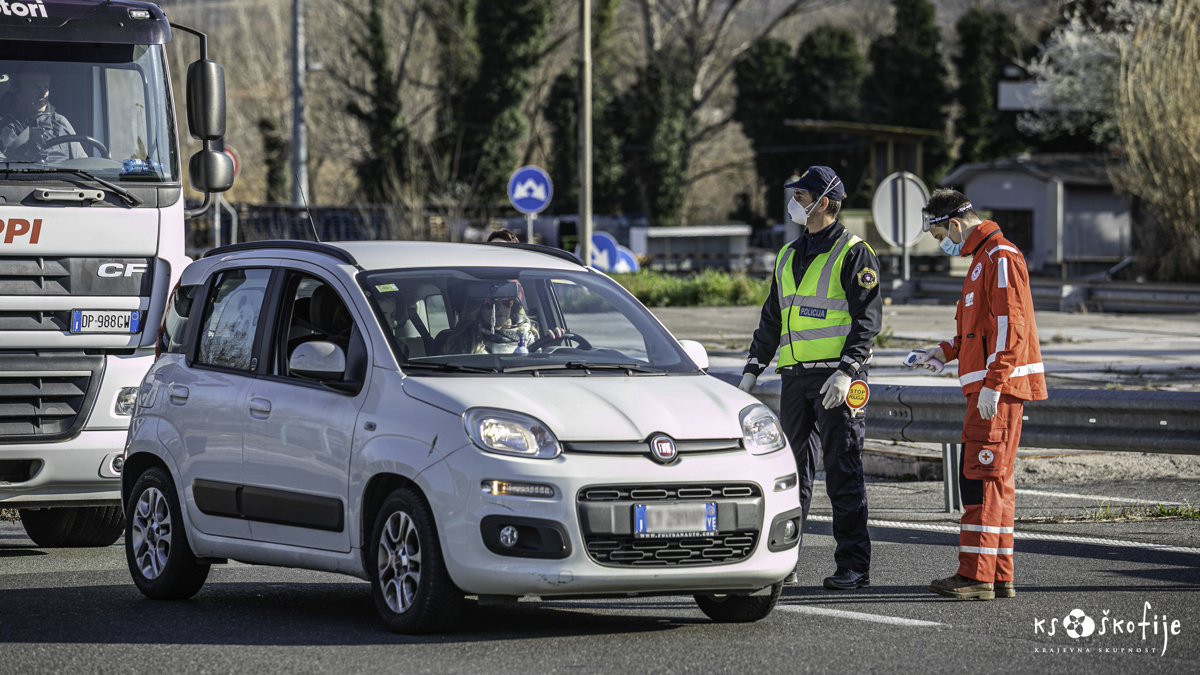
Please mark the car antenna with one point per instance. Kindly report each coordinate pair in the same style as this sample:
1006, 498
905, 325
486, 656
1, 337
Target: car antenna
308, 212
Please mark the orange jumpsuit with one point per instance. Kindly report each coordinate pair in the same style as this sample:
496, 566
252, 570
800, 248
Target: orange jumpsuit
996, 347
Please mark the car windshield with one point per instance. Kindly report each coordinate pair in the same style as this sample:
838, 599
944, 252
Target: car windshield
99, 108
519, 321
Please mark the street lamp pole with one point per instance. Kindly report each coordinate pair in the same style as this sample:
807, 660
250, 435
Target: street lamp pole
299, 123
585, 130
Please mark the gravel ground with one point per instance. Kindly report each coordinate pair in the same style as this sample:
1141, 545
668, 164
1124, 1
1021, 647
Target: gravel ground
1079, 468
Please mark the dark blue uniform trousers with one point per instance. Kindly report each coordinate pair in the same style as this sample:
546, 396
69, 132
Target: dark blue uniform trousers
809, 428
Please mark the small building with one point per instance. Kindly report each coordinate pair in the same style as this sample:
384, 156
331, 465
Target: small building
682, 249
1060, 210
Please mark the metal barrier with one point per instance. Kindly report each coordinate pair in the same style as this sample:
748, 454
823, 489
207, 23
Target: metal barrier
1071, 419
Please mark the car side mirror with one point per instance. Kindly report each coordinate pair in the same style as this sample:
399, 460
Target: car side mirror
318, 360
210, 171
696, 352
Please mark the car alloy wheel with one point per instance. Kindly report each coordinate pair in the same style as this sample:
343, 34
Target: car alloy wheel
152, 533
399, 562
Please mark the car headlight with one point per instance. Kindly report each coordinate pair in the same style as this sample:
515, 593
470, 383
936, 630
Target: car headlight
506, 432
761, 431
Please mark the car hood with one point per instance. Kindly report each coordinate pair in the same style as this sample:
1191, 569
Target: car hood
599, 407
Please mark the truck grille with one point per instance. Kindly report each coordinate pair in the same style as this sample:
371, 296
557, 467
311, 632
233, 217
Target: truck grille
606, 517
44, 396
35, 276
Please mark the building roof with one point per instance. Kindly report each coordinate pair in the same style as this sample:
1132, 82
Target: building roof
1071, 169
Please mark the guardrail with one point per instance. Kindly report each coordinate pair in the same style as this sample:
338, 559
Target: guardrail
1101, 296
1070, 419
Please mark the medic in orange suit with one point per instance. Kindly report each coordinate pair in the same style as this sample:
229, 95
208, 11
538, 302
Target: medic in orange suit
999, 368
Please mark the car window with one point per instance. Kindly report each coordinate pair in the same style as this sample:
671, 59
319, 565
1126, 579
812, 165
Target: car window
513, 320
231, 316
174, 326
311, 310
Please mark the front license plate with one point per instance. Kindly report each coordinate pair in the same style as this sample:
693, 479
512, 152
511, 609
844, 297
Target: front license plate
105, 321
660, 521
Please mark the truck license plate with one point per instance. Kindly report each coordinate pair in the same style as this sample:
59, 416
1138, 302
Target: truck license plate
105, 321
659, 521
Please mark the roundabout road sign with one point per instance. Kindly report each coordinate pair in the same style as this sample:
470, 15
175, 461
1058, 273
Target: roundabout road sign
530, 189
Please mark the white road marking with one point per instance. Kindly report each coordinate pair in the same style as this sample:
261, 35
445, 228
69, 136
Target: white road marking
856, 616
953, 529
1097, 498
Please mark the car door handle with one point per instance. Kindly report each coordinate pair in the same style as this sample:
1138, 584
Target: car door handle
177, 392
260, 407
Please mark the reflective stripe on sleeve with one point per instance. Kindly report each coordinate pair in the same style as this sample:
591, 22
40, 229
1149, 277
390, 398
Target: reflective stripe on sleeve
1019, 371
986, 528
983, 550
1002, 273
1002, 247
1001, 333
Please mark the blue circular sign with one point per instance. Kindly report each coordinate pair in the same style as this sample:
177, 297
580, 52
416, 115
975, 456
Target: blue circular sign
530, 189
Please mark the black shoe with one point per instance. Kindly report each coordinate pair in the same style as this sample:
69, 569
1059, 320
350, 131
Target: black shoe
846, 579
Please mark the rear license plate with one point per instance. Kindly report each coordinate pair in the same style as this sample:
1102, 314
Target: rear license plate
660, 521
105, 321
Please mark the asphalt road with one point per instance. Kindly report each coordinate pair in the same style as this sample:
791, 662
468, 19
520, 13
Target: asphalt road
77, 610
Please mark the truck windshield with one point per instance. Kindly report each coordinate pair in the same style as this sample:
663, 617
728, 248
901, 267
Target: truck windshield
102, 108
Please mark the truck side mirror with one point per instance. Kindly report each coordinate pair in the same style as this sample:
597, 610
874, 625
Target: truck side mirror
206, 100
210, 171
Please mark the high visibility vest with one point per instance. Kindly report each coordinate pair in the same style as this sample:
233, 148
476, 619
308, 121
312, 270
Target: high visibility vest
815, 317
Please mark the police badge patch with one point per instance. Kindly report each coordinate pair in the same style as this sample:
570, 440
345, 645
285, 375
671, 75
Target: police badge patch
867, 278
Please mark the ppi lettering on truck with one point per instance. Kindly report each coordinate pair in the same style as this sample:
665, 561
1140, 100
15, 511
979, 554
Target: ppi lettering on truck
812, 312
32, 9
19, 227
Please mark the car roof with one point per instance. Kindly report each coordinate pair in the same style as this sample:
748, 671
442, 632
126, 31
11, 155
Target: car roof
387, 254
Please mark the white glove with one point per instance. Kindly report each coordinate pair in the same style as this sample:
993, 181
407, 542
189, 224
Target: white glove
988, 398
835, 390
932, 359
747, 383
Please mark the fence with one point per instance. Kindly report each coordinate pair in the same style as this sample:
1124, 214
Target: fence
1071, 419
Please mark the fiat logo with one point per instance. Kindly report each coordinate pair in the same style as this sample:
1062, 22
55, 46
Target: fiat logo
662, 449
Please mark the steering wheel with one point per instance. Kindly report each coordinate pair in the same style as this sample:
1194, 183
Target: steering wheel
551, 339
79, 138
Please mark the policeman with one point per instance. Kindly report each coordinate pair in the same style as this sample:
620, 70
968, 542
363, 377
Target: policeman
822, 314
999, 368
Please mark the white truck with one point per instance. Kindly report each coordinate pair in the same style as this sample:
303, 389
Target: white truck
91, 242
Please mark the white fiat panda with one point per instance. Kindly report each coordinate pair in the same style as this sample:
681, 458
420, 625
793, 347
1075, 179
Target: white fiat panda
448, 420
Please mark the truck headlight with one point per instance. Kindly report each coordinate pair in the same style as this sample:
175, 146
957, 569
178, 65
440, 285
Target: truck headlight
126, 400
761, 431
505, 432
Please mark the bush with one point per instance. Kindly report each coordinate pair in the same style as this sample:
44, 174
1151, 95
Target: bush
709, 288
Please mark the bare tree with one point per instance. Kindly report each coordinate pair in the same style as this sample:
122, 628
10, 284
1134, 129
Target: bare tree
1159, 127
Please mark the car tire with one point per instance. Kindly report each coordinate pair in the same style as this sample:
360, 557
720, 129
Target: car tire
739, 608
74, 526
156, 546
409, 582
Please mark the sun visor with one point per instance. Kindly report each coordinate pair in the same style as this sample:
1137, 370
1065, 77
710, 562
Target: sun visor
135, 23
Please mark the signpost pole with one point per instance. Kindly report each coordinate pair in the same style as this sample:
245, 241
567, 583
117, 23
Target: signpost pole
904, 224
529, 227
584, 228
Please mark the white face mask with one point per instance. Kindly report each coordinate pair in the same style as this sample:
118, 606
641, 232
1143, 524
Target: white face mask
799, 214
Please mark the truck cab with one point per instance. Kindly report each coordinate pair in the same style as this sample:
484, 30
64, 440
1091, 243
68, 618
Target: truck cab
91, 242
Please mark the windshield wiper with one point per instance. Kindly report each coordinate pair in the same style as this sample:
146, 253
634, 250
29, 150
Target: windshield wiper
447, 367
126, 196
584, 365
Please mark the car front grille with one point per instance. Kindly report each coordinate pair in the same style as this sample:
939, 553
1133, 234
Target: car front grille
606, 517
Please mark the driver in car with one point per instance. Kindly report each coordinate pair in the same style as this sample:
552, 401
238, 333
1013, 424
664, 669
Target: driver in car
28, 122
492, 323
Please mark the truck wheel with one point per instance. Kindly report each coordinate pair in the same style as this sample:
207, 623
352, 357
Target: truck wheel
739, 608
73, 527
409, 583
49, 528
156, 546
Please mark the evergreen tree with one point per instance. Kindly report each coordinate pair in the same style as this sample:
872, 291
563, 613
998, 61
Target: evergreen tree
765, 98
987, 45
276, 155
907, 85
386, 162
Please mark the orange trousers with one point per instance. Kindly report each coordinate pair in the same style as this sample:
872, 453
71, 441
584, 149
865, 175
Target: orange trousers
988, 488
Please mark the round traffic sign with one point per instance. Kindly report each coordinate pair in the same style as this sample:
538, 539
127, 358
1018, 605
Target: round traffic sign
530, 189
237, 159
896, 208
